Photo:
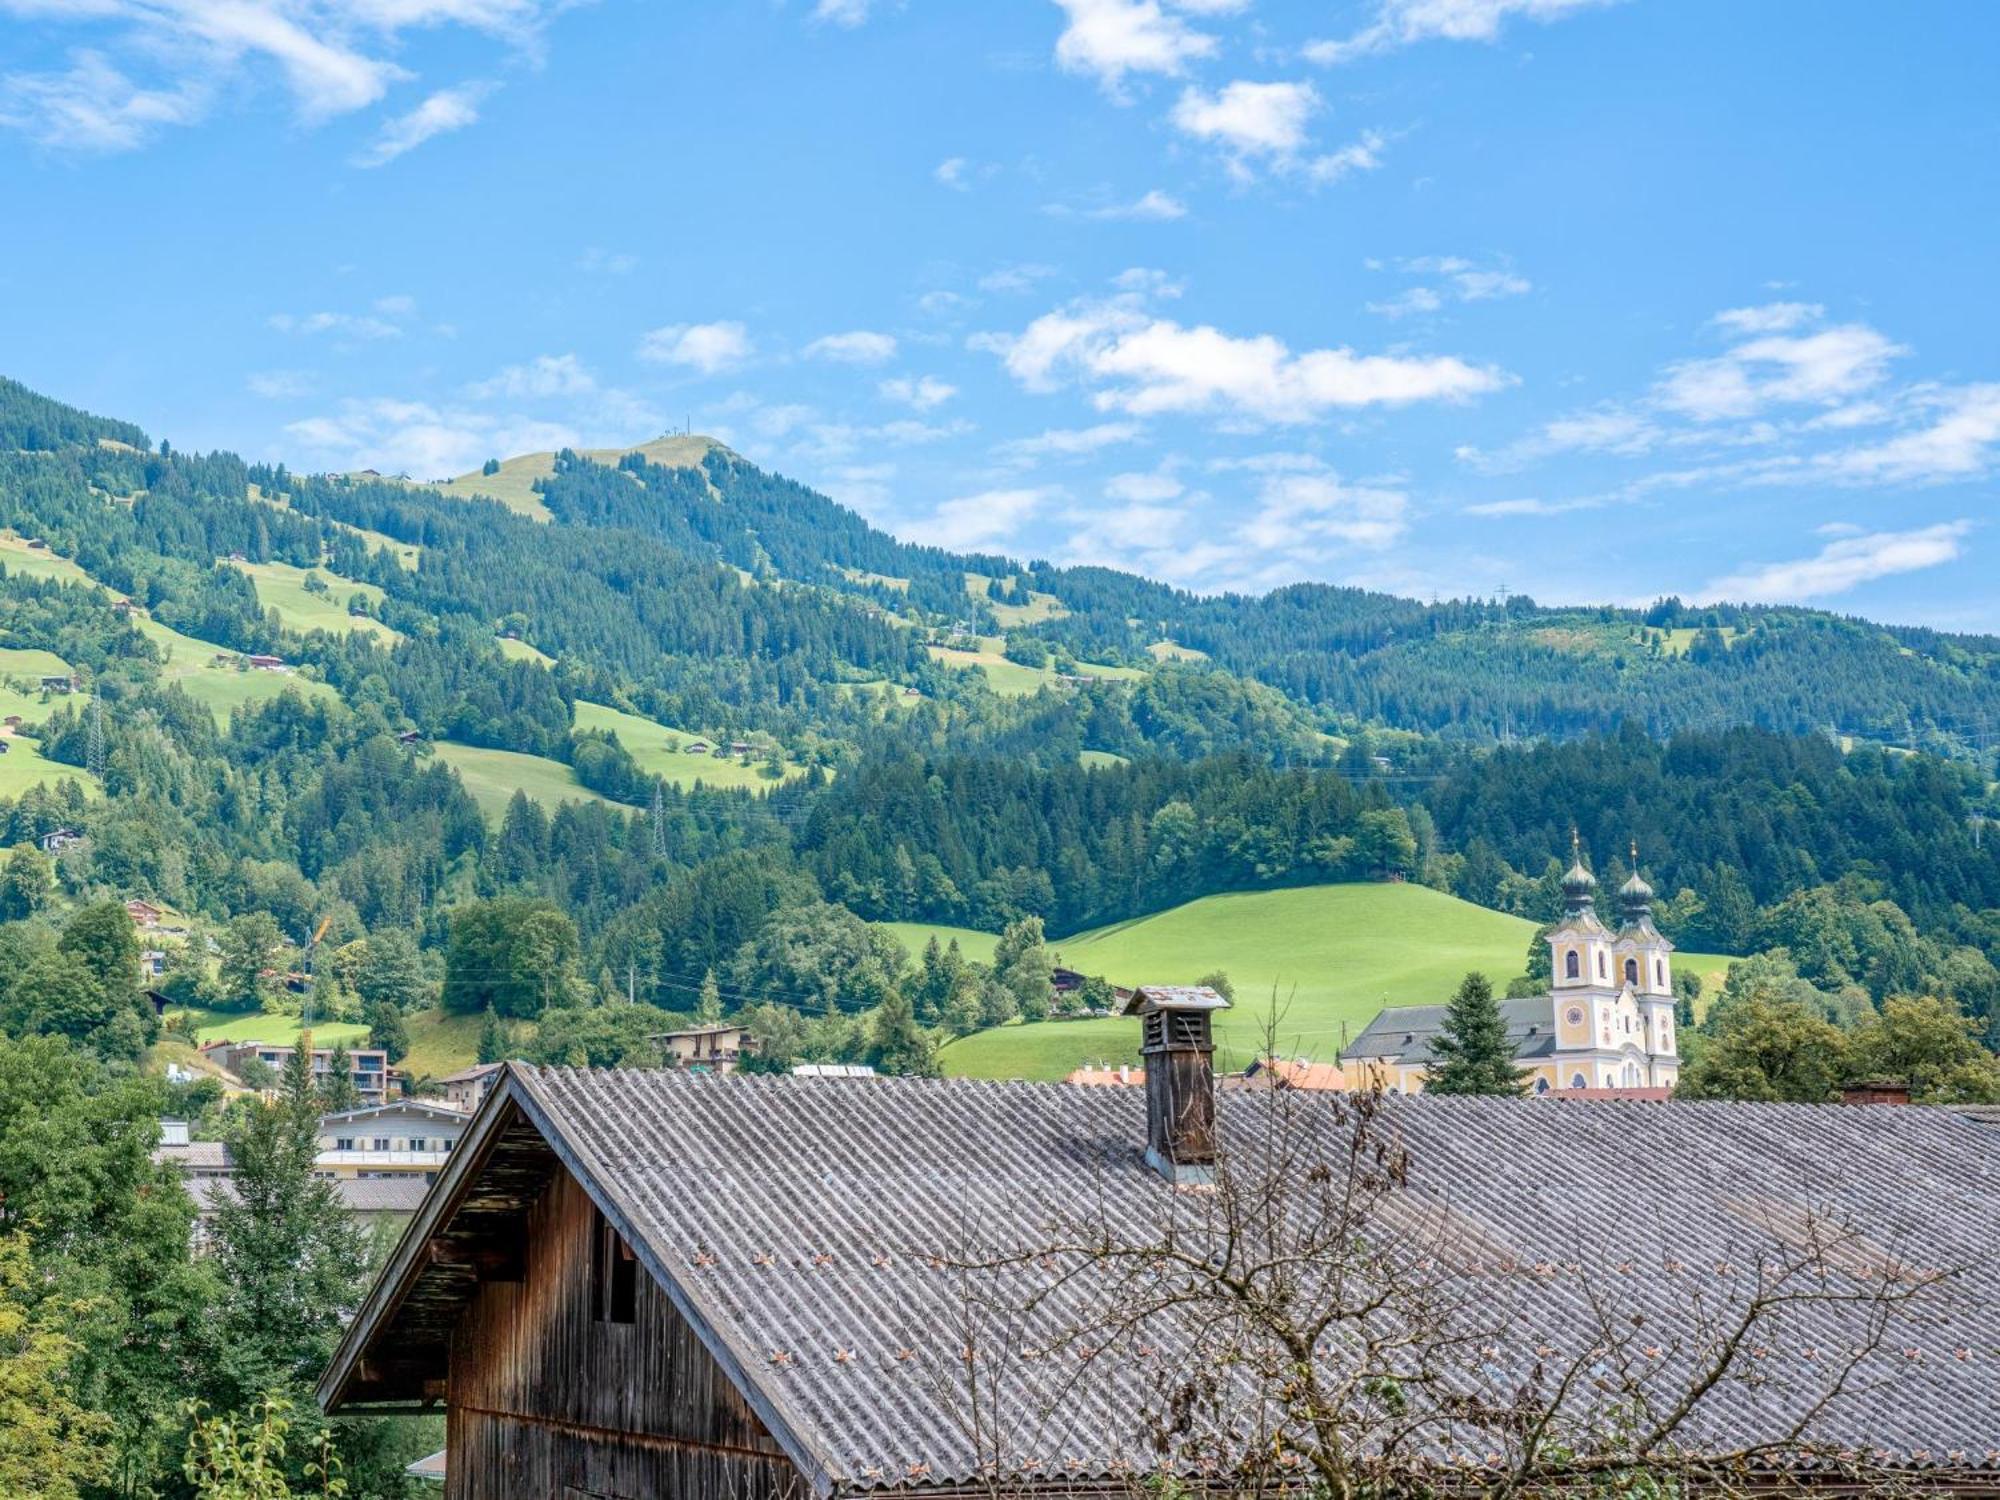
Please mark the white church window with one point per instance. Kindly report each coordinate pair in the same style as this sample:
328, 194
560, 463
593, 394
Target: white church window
1569, 965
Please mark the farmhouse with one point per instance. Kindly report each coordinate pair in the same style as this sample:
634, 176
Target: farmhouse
57, 840
260, 662
59, 682
1607, 1022
719, 1048
466, 1089
698, 747
633, 1283
143, 913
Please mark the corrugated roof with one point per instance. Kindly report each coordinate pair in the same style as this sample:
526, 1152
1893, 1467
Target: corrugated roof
800, 1225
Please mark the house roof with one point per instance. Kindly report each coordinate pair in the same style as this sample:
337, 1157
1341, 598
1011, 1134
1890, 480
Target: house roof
1405, 1032
194, 1155
401, 1194
426, 1107
799, 1232
467, 1075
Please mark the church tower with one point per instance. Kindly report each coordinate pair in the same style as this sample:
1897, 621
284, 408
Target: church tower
1640, 952
1580, 945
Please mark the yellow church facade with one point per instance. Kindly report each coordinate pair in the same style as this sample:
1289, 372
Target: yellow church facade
1607, 1021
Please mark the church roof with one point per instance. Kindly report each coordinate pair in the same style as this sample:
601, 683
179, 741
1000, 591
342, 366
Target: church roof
1405, 1032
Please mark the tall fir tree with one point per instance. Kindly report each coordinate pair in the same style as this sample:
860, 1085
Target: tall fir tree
1471, 1053
337, 1091
708, 1009
493, 1041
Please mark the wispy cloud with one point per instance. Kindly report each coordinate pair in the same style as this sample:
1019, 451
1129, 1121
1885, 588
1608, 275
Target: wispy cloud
544, 376
600, 262
443, 112
923, 392
152, 64
1069, 442
861, 346
709, 348
1403, 23
1449, 279
986, 519
1843, 564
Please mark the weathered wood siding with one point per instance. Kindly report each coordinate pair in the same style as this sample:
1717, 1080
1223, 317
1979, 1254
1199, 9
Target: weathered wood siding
547, 1404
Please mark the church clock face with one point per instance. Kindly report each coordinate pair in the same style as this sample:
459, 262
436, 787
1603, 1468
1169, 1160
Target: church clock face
1574, 1015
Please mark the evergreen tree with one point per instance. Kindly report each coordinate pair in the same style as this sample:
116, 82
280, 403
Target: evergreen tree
1471, 1052
292, 1262
896, 1043
493, 1040
708, 1009
337, 1092
387, 1031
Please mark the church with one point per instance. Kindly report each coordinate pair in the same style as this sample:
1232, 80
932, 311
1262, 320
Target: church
1607, 1021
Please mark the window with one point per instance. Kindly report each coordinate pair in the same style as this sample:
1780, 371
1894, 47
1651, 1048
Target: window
614, 1279
1570, 970
344, 1143
1574, 1015
1631, 971
1600, 966
381, 1143
1660, 972
1541, 1085
1579, 1082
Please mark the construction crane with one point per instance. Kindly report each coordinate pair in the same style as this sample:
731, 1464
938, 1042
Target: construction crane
306, 1007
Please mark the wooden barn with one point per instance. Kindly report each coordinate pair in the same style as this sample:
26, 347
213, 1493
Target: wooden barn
638, 1283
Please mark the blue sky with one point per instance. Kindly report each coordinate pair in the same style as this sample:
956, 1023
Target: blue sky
1586, 299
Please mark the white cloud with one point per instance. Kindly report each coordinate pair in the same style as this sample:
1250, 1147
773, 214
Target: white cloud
1843, 564
1149, 205
951, 173
1144, 488
921, 392
1140, 363
1249, 119
1360, 155
1015, 278
331, 57
1827, 366
708, 347
858, 347
367, 326
1957, 441
1401, 23
1456, 279
1111, 39
1070, 442
443, 112
600, 262
1298, 510
982, 520
95, 107
279, 385
848, 13
1772, 317
544, 376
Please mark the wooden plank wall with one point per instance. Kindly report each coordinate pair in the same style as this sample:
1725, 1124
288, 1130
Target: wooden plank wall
545, 1403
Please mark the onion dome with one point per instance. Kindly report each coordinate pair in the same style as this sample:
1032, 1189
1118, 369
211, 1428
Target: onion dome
1635, 896
1579, 888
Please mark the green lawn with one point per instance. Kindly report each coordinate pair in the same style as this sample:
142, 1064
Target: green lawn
652, 746
440, 1044
1012, 603
21, 671
404, 552
493, 776
1332, 955
283, 1031
282, 587
1174, 651
38, 562
1101, 758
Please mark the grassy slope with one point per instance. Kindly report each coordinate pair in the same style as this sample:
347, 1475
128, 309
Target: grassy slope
913, 935
1333, 954
190, 663
515, 650
405, 553
493, 776
648, 744
1010, 678
440, 1044
282, 587
24, 766
1012, 604
514, 485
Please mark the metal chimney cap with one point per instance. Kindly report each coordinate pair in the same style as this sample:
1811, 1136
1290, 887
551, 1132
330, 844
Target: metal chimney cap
1175, 997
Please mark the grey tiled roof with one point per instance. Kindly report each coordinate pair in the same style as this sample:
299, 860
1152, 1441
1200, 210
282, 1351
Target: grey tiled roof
209, 1155
1405, 1032
799, 1223
402, 1194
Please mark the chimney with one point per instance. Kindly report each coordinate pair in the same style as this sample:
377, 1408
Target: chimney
1875, 1091
1179, 1048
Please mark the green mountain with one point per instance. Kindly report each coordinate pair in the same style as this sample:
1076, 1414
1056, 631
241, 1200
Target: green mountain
654, 715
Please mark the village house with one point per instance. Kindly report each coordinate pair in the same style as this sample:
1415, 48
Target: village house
58, 840
261, 662
143, 913
466, 1089
718, 1048
698, 747
407, 1138
62, 682
370, 1065
631, 1283
1606, 1023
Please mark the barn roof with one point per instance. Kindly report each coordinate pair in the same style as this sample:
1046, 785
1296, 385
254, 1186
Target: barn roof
802, 1232
1407, 1032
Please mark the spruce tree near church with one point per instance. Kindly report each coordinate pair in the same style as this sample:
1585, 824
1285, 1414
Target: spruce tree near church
1471, 1052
